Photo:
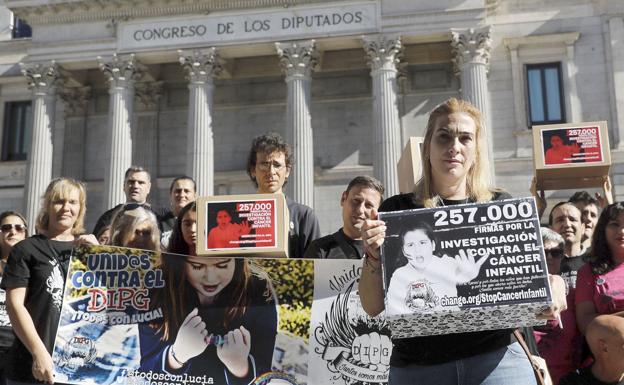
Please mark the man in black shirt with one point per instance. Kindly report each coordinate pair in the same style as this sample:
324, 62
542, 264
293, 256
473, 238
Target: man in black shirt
605, 336
363, 194
137, 185
268, 165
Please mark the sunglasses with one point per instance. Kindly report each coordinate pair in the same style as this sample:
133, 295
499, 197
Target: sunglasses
556, 253
7, 227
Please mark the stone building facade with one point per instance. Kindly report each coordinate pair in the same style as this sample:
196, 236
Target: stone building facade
182, 87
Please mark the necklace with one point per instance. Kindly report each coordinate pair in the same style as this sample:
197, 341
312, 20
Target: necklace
455, 201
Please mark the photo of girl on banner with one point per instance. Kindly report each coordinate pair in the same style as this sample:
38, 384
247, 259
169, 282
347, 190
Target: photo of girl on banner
424, 274
220, 315
225, 231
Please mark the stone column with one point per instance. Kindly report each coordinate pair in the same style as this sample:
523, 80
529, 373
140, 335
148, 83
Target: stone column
471, 57
615, 27
76, 101
201, 66
145, 130
121, 73
297, 61
384, 55
42, 80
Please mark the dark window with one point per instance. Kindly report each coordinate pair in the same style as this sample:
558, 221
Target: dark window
21, 29
17, 130
545, 94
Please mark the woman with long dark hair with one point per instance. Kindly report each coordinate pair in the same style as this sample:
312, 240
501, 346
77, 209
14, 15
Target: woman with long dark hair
600, 282
220, 316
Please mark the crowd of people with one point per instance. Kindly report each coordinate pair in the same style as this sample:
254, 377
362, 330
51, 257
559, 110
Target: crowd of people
582, 341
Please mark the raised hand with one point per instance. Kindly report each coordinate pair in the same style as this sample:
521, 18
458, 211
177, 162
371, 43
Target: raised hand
244, 227
467, 268
607, 199
234, 352
373, 234
540, 199
191, 340
558, 294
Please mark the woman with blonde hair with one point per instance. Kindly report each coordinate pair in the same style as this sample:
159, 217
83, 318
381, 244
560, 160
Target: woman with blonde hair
136, 227
34, 279
455, 171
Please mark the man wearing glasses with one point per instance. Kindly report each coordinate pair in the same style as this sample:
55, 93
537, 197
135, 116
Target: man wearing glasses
268, 165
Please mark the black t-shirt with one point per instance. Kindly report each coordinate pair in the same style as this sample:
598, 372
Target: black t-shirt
39, 265
432, 350
570, 267
584, 377
167, 220
335, 246
6, 332
303, 228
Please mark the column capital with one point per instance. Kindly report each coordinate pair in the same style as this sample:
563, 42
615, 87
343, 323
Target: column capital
147, 95
76, 100
201, 65
297, 59
384, 52
471, 45
42, 77
121, 71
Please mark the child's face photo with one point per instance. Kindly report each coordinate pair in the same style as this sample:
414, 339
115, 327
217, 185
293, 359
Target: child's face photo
223, 218
418, 248
208, 276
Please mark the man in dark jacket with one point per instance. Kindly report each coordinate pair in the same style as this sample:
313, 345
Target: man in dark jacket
363, 194
268, 165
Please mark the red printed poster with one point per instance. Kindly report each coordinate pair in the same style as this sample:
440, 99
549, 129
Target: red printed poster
241, 224
571, 145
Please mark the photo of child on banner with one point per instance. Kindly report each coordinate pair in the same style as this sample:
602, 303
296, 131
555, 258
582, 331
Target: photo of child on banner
219, 320
481, 263
134, 316
571, 145
226, 228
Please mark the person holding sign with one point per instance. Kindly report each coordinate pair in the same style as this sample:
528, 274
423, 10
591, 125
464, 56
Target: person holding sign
220, 315
429, 277
600, 282
455, 171
269, 164
34, 278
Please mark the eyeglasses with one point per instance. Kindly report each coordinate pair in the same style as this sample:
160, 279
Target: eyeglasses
266, 166
556, 253
7, 227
